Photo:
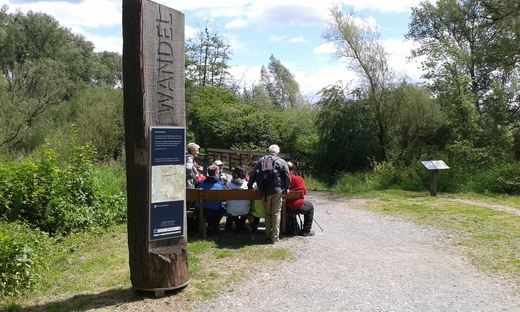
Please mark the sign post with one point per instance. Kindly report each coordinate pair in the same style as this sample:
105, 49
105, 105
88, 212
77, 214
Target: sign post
155, 121
167, 185
434, 166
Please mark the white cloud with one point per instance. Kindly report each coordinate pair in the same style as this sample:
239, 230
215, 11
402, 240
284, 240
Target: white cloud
311, 82
189, 32
275, 38
325, 48
399, 52
104, 43
384, 6
89, 13
273, 13
247, 76
299, 39
237, 23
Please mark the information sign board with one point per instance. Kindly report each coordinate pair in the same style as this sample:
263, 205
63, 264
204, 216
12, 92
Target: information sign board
167, 182
434, 164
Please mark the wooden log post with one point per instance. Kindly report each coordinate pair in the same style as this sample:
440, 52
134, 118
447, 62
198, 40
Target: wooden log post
153, 81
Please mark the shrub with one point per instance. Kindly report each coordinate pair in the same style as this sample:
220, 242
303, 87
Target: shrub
414, 178
505, 179
59, 198
354, 183
23, 254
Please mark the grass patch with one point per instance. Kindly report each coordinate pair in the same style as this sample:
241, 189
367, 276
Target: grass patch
90, 271
490, 238
314, 184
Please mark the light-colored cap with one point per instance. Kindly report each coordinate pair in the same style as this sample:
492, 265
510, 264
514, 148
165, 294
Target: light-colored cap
218, 163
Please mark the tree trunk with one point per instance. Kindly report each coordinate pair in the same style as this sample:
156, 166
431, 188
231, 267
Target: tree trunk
153, 72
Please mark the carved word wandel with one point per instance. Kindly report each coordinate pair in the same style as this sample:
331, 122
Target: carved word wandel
165, 53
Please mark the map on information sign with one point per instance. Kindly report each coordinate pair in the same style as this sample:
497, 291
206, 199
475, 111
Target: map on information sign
168, 183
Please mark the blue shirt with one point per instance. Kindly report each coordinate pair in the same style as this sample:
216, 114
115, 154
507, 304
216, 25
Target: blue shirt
214, 207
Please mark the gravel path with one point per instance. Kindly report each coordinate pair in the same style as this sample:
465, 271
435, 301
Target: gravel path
363, 261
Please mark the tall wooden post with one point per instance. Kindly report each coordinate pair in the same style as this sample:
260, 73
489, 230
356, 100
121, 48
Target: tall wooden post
153, 82
433, 183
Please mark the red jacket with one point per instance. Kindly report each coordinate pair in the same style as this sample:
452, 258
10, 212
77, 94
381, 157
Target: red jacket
297, 184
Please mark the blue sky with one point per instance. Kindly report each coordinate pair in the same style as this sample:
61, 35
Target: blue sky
255, 29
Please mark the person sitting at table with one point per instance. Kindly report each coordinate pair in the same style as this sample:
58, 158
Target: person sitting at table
238, 209
300, 205
213, 210
221, 174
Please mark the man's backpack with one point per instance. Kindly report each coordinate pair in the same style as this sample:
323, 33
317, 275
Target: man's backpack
267, 174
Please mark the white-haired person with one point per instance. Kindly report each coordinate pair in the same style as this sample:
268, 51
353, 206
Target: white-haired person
221, 174
273, 179
191, 165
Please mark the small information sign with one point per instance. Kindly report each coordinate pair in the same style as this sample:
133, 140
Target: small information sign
434, 164
168, 182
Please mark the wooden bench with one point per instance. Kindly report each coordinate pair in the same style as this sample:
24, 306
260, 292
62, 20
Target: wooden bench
201, 195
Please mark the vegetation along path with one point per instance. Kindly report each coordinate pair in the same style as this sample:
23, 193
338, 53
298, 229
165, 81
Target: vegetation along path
363, 261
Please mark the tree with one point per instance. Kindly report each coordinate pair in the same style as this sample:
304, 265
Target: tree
99, 120
346, 137
418, 120
26, 94
41, 65
107, 70
280, 84
472, 67
207, 56
359, 42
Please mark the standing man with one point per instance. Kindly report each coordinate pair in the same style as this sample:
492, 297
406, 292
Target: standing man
271, 174
301, 205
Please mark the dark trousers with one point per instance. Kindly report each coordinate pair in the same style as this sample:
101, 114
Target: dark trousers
307, 210
240, 222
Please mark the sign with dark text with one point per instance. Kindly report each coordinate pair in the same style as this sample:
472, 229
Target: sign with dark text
168, 182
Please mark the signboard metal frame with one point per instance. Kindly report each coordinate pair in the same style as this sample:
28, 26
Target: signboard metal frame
434, 165
167, 182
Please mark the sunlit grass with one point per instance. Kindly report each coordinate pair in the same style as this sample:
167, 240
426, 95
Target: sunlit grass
90, 270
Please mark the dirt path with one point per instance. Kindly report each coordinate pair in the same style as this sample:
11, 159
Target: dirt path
363, 261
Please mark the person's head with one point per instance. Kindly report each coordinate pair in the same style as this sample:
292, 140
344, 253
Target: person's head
252, 165
274, 149
291, 166
193, 149
239, 173
213, 171
219, 164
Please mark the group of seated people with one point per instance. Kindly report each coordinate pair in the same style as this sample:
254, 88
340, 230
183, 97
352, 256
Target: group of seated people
241, 211
214, 210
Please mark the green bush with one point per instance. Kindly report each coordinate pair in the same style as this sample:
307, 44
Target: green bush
414, 178
23, 254
59, 197
355, 183
505, 179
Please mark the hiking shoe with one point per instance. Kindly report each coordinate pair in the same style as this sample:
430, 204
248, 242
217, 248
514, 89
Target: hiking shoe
308, 233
